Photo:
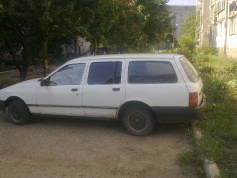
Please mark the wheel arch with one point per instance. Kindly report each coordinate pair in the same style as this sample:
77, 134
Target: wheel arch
127, 104
13, 98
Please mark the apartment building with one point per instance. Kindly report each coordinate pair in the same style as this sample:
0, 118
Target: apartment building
180, 14
203, 31
218, 25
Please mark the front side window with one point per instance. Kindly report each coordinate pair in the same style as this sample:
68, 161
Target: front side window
68, 75
150, 72
105, 73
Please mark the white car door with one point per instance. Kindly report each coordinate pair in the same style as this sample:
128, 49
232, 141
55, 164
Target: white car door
62, 94
104, 90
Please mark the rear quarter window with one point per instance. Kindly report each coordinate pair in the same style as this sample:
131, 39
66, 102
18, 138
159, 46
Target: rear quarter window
190, 71
151, 72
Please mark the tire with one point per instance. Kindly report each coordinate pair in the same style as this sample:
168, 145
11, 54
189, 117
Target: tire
18, 112
138, 120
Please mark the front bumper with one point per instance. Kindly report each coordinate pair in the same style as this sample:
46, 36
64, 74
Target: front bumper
179, 114
2, 106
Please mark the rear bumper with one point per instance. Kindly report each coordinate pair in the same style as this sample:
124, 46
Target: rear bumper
2, 106
179, 114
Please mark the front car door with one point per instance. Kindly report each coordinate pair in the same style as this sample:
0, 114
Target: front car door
104, 89
62, 94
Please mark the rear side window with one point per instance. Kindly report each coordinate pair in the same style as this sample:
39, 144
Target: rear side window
190, 71
104, 73
150, 72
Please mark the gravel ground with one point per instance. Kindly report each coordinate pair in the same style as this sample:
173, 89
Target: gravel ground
50, 147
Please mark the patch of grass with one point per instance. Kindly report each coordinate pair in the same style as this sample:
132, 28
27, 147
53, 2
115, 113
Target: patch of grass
219, 123
191, 163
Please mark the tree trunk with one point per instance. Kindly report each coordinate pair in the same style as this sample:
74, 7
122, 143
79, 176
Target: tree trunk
95, 47
22, 67
44, 57
75, 47
23, 72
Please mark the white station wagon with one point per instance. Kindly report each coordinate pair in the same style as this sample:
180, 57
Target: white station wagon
137, 89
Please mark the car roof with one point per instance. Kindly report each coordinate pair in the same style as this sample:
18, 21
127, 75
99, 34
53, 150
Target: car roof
126, 56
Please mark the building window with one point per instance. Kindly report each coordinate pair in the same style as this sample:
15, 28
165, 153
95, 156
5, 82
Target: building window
233, 25
220, 28
233, 6
220, 5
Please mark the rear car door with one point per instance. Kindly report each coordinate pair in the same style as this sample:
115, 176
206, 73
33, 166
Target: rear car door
104, 89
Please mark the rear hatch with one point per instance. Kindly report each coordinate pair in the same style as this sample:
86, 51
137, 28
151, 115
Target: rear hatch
193, 82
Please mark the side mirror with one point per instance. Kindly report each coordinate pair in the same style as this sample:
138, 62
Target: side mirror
43, 82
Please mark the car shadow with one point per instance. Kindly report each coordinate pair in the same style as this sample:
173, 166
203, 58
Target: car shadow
98, 124
117, 126
74, 122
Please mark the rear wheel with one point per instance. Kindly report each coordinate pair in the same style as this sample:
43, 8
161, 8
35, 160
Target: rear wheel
138, 120
18, 112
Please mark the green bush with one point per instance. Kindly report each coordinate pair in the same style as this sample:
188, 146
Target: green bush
187, 45
206, 50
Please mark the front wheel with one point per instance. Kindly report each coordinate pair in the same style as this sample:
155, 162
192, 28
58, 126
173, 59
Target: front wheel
138, 120
18, 112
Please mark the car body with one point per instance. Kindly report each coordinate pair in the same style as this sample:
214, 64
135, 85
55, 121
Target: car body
138, 89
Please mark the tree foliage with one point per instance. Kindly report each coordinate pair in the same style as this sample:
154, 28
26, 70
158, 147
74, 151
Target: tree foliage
189, 27
31, 27
138, 24
187, 42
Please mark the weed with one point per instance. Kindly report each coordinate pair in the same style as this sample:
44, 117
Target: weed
216, 88
219, 123
232, 83
233, 68
191, 163
206, 50
206, 70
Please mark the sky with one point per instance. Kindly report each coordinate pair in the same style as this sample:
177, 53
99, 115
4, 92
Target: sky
182, 2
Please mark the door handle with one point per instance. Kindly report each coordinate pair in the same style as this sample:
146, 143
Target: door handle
74, 89
116, 89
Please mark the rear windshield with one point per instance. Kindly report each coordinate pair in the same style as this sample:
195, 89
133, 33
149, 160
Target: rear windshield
190, 71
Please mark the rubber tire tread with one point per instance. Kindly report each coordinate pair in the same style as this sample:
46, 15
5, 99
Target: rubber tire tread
145, 111
23, 108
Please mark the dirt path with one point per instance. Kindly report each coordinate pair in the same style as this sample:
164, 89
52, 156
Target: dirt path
79, 148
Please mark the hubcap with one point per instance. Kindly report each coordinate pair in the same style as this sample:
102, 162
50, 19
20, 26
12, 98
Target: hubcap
16, 113
137, 121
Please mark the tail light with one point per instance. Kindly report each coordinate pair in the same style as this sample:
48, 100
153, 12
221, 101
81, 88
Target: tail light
193, 99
